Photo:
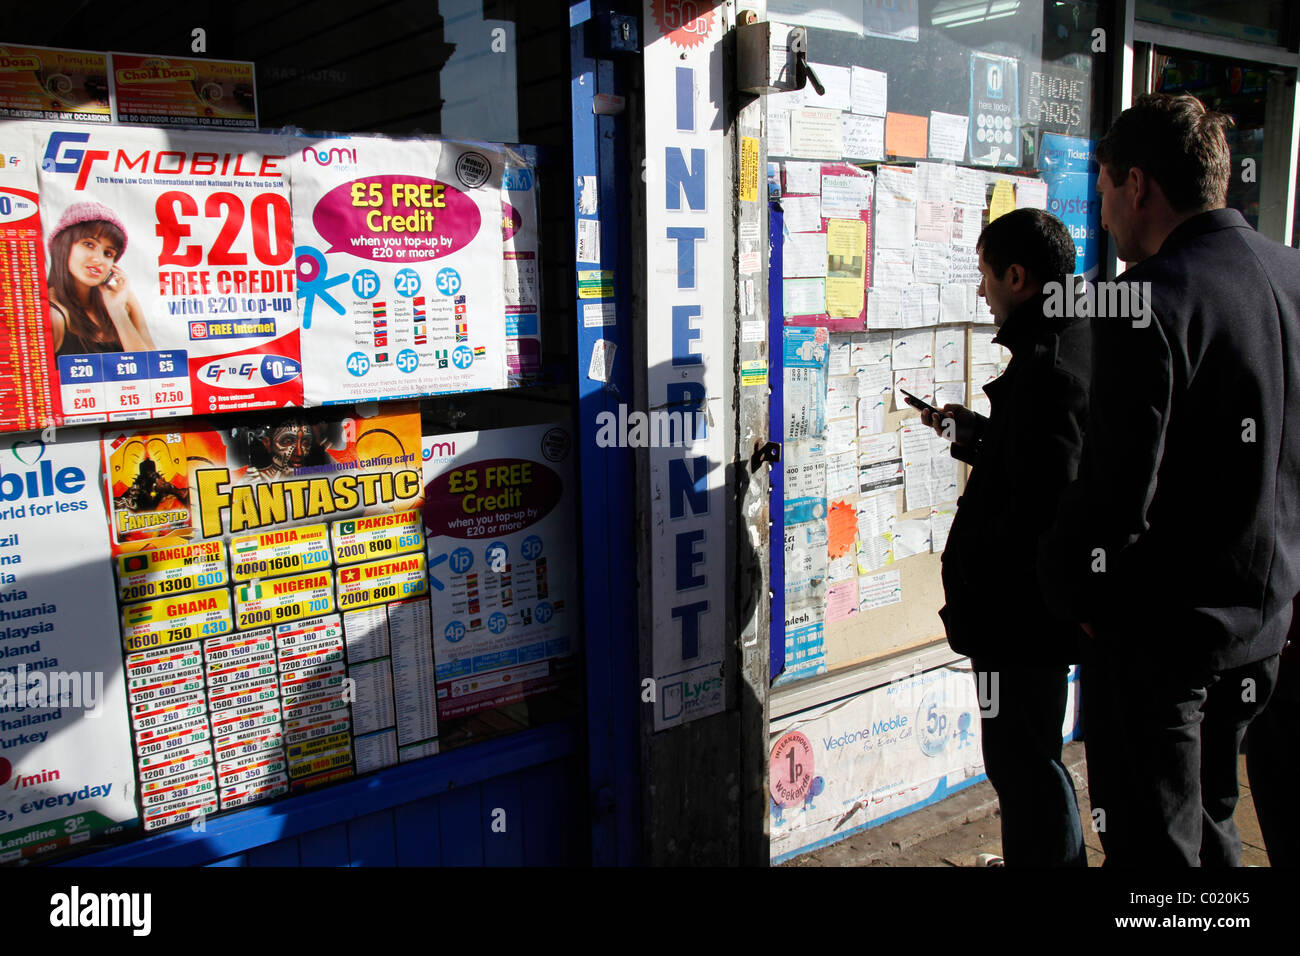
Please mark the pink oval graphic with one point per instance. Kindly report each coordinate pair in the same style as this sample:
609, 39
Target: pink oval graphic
490, 498
396, 218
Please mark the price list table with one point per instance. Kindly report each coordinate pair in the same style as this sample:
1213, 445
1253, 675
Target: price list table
26, 399
121, 386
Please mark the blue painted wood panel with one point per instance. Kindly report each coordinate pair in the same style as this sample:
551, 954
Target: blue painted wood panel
280, 853
461, 826
371, 840
503, 840
415, 827
325, 847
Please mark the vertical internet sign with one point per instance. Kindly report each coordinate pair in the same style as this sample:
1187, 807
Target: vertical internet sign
685, 219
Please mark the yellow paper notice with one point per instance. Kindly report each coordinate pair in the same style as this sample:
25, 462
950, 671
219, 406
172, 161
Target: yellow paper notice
844, 298
846, 249
1004, 199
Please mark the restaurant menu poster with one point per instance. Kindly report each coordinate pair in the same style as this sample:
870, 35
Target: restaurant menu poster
171, 272
45, 83
502, 564
400, 264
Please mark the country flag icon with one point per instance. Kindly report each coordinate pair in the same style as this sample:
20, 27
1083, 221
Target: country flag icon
459, 300
480, 351
441, 356
379, 309
380, 324
381, 358
137, 562
381, 340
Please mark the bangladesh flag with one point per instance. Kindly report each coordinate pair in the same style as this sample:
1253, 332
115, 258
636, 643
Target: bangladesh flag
137, 562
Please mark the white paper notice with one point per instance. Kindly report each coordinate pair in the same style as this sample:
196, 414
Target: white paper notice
877, 447
885, 306
966, 224
954, 304
841, 397
753, 331
871, 348
596, 315
803, 178
864, 137
1031, 193
602, 360
897, 183
895, 226
918, 381
869, 91
943, 478
875, 551
983, 350
778, 132
802, 213
941, 516
835, 80
935, 181
981, 375
841, 475
842, 437
948, 136
930, 263
913, 350
816, 133
891, 269
911, 536
949, 393
879, 590
803, 255
970, 187
917, 492
804, 296
844, 197
841, 359
918, 442
949, 355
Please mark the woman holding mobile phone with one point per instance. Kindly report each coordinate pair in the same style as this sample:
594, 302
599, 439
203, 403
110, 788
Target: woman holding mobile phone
92, 307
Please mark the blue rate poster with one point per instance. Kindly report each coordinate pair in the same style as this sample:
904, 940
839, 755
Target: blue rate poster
1071, 177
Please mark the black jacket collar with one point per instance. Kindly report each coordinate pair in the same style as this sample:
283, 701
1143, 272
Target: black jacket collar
1028, 324
1212, 220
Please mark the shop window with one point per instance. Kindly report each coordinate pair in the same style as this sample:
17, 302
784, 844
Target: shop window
936, 117
312, 576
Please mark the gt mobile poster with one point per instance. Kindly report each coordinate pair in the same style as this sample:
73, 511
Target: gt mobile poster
400, 265
498, 512
170, 272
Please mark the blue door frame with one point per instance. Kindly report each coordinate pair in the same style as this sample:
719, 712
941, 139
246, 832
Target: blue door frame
564, 789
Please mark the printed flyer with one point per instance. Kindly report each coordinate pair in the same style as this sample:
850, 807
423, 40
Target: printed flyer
174, 91
43, 83
170, 273
27, 398
522, 276
273, 603
66, 773
498, 514
400, 267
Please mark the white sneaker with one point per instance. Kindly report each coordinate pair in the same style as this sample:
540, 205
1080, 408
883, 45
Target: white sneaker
989, 859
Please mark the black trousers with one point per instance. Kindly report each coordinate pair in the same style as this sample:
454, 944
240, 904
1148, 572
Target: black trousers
1021, 735
1273, 764
1162, 743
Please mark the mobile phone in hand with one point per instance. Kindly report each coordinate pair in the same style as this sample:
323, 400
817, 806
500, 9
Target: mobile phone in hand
918, 404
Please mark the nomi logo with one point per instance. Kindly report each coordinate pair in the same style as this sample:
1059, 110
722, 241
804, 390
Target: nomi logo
327, 157
440, 450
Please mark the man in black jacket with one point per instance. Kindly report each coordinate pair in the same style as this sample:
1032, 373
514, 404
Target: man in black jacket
1024, 455
1179, 546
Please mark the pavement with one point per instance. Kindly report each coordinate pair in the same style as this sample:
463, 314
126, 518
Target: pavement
953, 832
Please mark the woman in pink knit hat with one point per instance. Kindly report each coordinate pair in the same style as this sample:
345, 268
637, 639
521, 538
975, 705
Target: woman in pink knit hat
92, 307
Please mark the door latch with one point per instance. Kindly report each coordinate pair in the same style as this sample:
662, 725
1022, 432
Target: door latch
802, 70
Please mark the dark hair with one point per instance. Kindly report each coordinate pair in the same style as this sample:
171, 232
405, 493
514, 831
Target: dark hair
1178, 143
91, 325
1033, 239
